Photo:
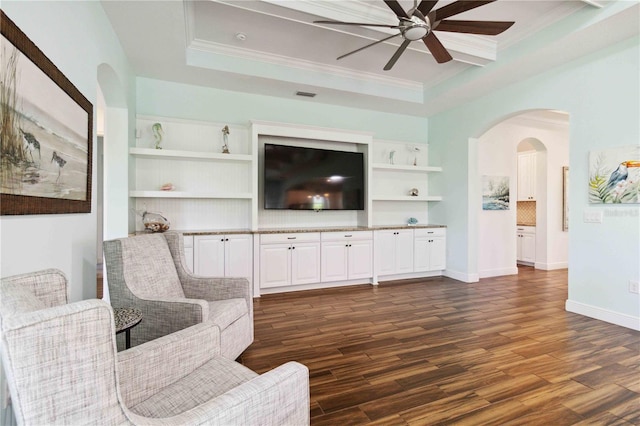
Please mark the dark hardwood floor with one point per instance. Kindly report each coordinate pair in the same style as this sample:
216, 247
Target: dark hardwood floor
439, 351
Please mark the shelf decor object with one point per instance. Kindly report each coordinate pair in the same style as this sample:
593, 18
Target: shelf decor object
225, 140
46, 143
415, 150
412, 221
413, 192
155, 222
157, 131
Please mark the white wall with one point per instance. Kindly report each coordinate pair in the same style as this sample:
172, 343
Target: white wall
497, 156
77, 38
602, 257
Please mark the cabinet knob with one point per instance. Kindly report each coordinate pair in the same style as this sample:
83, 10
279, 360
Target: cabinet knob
291, 238
347, 236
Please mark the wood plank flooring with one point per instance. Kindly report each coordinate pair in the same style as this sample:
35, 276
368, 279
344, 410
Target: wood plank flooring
438, 351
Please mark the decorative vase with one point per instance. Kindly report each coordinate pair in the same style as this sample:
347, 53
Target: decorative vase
155, 222
225, 140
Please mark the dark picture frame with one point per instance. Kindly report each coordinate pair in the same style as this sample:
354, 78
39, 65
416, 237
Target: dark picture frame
46, 128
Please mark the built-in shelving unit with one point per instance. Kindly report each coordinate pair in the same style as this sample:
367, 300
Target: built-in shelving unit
212, 189
215, 190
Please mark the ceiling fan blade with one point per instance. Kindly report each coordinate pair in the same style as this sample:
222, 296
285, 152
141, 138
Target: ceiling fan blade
436, 48
397, 9
396, 55
362, 24
474, 27
458, 7
426, 6
368, 45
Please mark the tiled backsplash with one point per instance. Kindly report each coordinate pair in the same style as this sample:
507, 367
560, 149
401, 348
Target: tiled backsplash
526, 213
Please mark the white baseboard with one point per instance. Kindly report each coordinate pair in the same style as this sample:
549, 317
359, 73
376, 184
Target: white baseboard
461, 276
498, 272
601, 314
552, 266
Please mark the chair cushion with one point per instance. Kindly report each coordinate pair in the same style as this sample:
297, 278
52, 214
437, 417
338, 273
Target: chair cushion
149, 269
16, 298
225, 312
213, 379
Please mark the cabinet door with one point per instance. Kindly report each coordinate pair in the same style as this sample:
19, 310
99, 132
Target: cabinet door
334, 261
528, 248
360, 259
421, 254
208, 255
305, 263
238, 256
404, 251
275, 265
188, 255
385, 248
518, 246
437, 253
527, 177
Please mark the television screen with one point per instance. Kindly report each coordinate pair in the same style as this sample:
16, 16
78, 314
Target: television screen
298, 178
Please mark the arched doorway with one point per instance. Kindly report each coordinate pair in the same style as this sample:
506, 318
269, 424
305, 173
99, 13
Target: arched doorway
545, 135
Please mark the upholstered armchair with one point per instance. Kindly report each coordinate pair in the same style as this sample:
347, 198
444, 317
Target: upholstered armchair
147, 272
62, 367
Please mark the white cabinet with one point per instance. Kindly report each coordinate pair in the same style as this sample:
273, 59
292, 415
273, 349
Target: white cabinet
223, 255
430, 250
527, 176
188, 251
289, 259
346, 255
526, 244
394, 251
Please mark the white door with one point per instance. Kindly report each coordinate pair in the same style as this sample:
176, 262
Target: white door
238, 255
305, 263
360, 259
528, 248
421, 255
404, 251
275, 265
437, 253
334, 261
208, 255
385, 252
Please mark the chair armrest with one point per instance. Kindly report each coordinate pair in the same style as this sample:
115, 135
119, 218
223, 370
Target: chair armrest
278, 397
214, 288
147, 368
161, 317
49, 285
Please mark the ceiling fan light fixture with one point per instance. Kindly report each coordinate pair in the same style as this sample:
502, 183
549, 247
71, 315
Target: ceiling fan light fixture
415, 29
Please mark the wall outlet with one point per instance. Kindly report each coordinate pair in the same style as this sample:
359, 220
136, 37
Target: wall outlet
633, 287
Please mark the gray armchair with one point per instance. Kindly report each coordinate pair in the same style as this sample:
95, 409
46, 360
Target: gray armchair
147, 272
62, 367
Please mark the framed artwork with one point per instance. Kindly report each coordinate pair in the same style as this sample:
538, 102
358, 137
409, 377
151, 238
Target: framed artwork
565, 199
614, 175
45, 132
495, 192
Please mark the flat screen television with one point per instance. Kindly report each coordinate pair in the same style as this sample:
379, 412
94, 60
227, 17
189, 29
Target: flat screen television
298, 178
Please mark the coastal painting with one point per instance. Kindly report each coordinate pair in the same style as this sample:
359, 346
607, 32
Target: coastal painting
614, 175
45, 132
495, 192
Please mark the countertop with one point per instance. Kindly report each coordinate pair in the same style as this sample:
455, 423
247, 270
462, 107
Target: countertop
296, 230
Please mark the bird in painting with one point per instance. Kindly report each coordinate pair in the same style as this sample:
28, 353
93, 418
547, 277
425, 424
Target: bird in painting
620, 174
59, 162
30, 144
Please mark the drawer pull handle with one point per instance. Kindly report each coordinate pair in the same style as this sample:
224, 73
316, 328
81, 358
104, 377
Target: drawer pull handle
348, 235
291, 238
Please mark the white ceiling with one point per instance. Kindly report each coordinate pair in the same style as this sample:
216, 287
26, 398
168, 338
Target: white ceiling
195, 42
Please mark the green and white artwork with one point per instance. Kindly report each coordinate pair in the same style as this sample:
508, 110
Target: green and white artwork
614, 175
495, 192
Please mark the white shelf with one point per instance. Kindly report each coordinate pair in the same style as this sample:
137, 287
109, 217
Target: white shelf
423, 169
187, 194
405, 198
171, 154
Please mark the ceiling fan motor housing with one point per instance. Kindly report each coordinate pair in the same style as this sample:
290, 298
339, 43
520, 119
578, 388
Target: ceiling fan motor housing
415, 28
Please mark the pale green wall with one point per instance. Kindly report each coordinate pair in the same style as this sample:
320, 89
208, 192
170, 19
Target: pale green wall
156, 97
78, 38
601, 92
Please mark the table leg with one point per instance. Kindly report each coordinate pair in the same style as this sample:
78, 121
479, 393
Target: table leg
127, 339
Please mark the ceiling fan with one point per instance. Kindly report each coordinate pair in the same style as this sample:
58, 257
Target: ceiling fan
419, 22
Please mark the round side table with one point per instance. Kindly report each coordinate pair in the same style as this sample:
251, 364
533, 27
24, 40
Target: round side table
126, 319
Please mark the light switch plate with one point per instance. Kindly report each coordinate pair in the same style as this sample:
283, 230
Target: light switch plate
592, 216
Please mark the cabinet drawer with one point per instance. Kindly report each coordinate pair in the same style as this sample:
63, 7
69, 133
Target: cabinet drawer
430, 232
526, 230
290, 237
347, 236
